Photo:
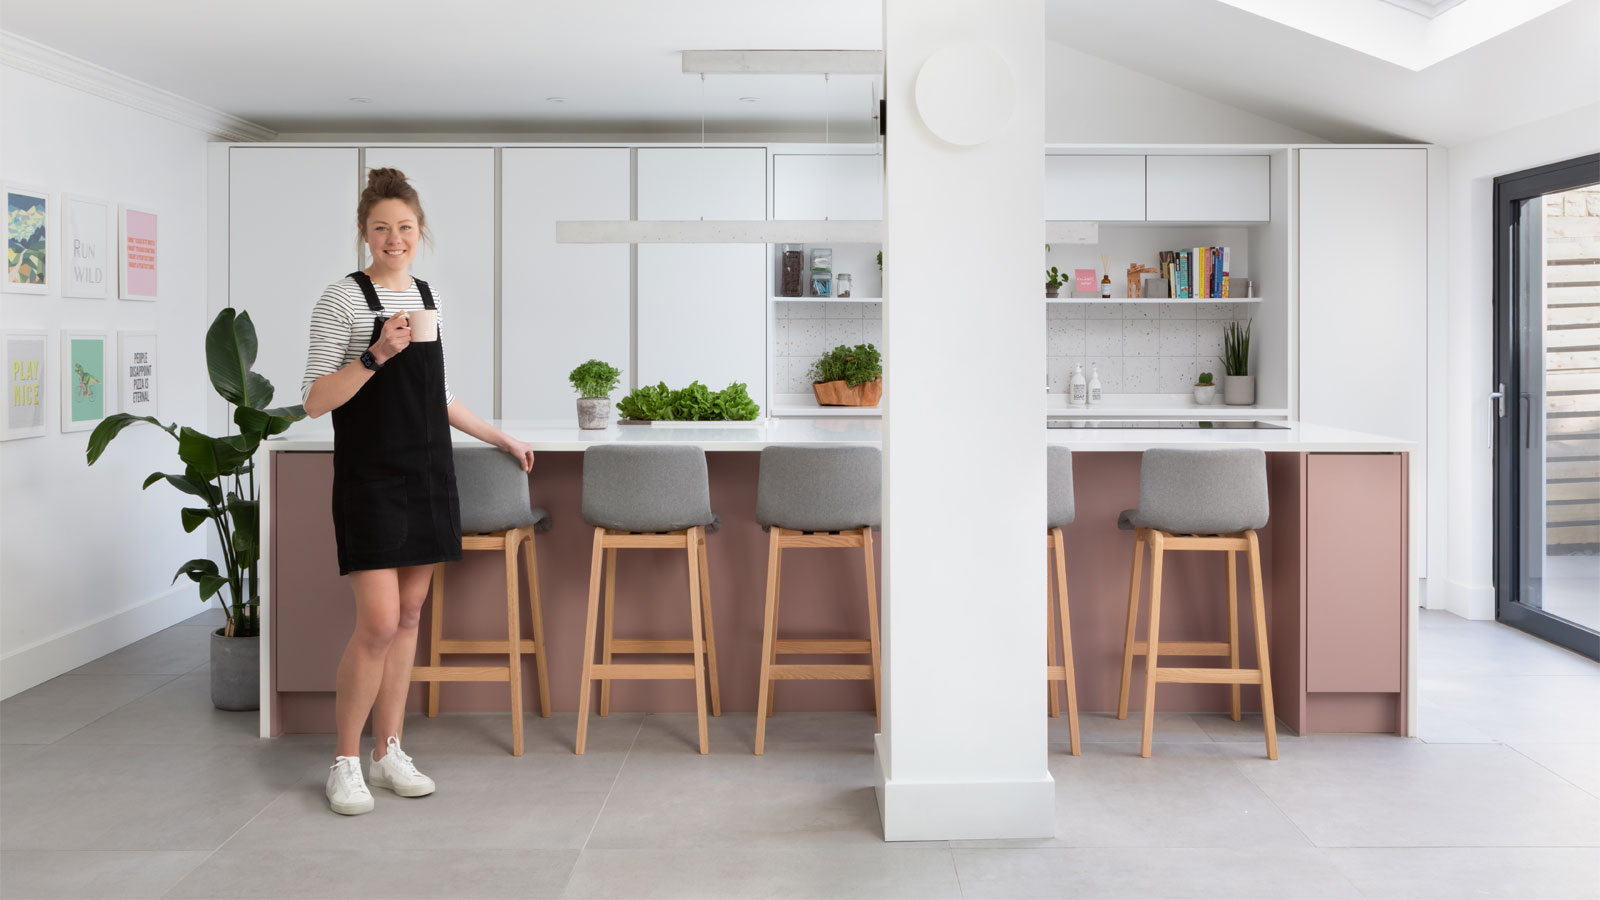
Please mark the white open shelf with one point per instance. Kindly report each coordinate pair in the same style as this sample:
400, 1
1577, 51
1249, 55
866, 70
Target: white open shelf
1152, 299
806, 405
828, 299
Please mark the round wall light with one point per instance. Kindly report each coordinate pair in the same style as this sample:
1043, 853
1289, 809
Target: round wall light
966, 93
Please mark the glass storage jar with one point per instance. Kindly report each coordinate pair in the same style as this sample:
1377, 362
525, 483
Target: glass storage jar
791, 270
841, 285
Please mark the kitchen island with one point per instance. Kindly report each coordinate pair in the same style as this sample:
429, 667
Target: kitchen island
1337, 561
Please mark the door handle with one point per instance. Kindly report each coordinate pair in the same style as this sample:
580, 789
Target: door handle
1499, 397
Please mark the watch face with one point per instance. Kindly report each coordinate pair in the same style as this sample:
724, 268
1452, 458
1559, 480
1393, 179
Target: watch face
368, 360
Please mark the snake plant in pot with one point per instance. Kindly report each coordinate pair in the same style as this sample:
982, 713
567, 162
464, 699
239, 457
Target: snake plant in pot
220, 472
1238, 385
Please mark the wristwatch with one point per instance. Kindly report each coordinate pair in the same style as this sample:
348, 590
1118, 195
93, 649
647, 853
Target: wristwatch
370, 361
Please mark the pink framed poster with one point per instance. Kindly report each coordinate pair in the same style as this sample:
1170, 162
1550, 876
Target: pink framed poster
136, 236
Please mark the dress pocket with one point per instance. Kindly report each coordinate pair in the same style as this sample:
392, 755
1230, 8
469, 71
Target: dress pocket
376, 513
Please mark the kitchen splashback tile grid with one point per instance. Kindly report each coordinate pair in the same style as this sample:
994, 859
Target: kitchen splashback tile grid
806, 330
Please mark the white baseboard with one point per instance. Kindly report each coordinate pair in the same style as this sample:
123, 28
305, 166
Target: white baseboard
949, 811
1470, 601
66, 650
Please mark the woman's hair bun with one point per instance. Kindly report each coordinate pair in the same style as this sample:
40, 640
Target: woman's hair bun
385, 178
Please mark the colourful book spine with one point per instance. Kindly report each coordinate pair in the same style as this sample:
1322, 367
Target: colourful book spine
1200, 277
1227, 266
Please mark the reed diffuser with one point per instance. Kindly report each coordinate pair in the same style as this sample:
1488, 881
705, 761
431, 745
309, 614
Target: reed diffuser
1105, 280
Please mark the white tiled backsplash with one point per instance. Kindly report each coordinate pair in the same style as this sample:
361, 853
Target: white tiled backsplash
807, 330
1141, 348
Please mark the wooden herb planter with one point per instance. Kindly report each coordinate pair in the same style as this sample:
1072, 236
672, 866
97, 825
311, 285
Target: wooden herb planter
840, 393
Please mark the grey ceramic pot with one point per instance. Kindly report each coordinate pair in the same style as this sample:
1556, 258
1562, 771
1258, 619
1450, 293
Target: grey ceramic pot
1239, 390
594, 412
235, 671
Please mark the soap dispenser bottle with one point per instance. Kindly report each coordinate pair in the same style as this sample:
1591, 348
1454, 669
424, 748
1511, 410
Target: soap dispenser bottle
1077, 388
1094, 386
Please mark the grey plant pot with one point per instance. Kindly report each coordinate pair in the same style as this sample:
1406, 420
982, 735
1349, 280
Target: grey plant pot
235, 671
594, 412
1239, 390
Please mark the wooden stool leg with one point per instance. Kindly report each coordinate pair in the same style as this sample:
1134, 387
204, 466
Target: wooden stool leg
536, 610
777, 601
610, 629
711, 631
1133, 621
514, 639
872, 624
436, 626
1233, 624
1066, 643
769, 628
1258, 601
588, 639
1152, 645
1050, 645
691, 539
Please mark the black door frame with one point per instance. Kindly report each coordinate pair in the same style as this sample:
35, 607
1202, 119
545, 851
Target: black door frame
1509, 192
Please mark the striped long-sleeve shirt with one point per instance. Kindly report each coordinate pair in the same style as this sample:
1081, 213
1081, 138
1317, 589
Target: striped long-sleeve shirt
341, 327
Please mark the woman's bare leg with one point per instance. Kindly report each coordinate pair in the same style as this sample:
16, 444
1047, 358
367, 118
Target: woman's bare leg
389, 713
361, 668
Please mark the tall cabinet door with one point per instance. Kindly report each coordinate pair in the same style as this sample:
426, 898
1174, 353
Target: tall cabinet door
702, 310
291, 233
560, 304
456, 187
814, 186
1364, 289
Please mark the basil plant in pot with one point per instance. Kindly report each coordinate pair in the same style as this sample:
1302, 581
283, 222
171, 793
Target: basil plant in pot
1238, 385
594, 382
848, 376
220, 472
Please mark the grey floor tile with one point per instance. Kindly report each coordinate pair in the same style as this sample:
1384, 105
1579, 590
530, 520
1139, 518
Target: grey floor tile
736, 732
94, 873
1222, 728
490, 733
1499, 872
1165, 873
1402, 793
211, 617
1184, 795
52, 710
884, 871
171, 651
1105, 727
1451, 646
178, 712
354, 871
1532, 708
1577, 763
132, 797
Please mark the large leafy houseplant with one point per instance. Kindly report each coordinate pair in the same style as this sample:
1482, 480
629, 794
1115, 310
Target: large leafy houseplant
221, 471
852, 365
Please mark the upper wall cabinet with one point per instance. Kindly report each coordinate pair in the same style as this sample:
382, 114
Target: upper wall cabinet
456, 187
1208, 188
813, 186
1094, 188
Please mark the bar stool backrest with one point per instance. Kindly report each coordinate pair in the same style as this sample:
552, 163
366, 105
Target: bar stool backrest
493, 491
826, 488
646, 487
1060, 509
1202, 491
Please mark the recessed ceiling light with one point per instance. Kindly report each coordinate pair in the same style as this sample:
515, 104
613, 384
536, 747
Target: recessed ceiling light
360, 99
748, 99
555, 99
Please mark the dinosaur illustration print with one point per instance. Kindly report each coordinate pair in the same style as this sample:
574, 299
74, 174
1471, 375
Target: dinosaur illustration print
86, 382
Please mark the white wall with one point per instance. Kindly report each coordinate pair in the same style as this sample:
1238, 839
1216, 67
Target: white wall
86, 558
1470, 335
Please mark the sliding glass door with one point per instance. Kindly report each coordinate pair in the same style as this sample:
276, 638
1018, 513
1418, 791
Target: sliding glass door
1547, 402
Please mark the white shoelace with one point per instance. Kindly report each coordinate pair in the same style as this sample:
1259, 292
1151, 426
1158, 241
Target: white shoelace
401, 760
350, 772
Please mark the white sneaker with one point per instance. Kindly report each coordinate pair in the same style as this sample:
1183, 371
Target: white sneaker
347, 791
396, 772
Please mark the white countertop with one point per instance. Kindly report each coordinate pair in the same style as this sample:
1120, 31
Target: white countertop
557, 435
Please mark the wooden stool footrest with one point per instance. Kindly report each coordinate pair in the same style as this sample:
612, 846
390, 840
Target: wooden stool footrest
823, 645
1209, 676
1055, 673
670, 671
461, 673
460, 645
1184, 648
820, 673
652, 645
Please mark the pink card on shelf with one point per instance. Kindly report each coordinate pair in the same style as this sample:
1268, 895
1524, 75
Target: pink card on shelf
1087, 280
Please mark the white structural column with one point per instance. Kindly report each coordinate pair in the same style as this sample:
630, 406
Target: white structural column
963, 748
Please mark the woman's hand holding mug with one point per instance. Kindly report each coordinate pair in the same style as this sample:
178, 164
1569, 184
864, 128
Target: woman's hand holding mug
396, 336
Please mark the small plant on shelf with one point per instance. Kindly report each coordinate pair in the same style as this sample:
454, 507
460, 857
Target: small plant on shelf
695, 403
1205, 390
1054, 278
848, 376
1204, 379
1239, 386
594, 381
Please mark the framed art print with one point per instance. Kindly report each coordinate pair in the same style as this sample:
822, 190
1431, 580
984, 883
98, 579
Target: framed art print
138, 372
27, 240
27, 360
136, 239
85, 246
87, 380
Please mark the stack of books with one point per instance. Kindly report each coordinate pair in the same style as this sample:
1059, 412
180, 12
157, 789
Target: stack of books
1197, 273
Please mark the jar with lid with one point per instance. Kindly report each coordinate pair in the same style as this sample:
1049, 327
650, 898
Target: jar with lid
821, 271
791, 270
841, 285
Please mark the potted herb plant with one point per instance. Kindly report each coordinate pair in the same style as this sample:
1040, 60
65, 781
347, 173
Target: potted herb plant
848, 376
221, 473
1238, 385
1053, 280
695, 403
594, 381
1205, 390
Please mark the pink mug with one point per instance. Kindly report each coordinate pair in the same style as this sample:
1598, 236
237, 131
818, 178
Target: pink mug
424, 324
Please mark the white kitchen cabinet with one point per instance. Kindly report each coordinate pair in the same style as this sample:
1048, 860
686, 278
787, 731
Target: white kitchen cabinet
813, 186
1094, 188
701, 307
1208, 188
456, 187
1363, 271
291, 233
561, 304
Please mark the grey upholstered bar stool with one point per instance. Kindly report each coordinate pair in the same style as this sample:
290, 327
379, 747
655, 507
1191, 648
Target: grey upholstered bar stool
1059, 512
1198, 500
648, 496
807, 497
496, 514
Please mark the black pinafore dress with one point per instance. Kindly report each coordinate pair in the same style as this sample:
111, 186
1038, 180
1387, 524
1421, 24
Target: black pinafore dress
394, 482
